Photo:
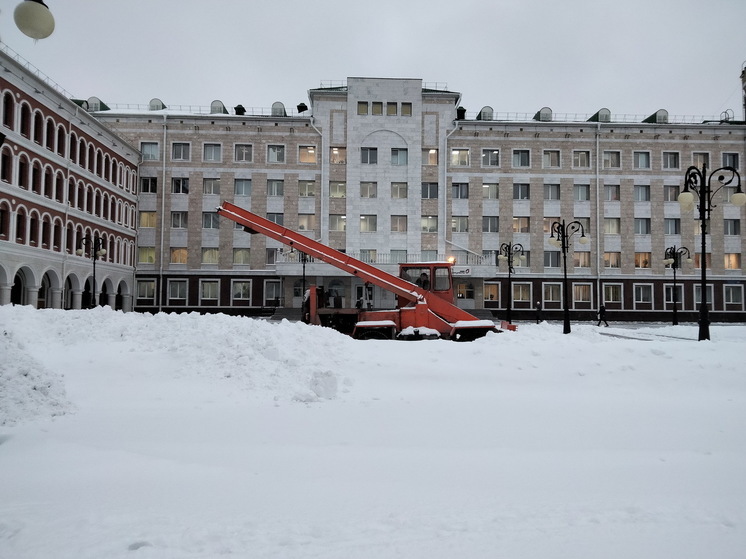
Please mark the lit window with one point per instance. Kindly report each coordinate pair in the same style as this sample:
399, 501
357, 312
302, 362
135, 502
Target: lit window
399, 190
338, 156
430, 156
148, 219
581, 259
306, 222
179, 256
429, 224
146, 255
337, 189
612, 259
368, 190
581, 293
732, 260
459, 224
460, 157
337, 222
521, 225
209, 256
368, 223
642, 260
306, 188
307, 154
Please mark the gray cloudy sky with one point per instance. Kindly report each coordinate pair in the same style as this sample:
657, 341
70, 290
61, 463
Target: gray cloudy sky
575, 56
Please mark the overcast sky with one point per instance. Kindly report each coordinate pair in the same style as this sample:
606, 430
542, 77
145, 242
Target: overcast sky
574, 56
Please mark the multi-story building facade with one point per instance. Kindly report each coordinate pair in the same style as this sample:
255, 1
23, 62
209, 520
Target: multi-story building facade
389, 170
392, 170
67, 186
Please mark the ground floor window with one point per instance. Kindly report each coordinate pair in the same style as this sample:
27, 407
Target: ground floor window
209, 290
674, 296
146, 291
521, 292
491, 292
552, 292
698, 295
241, 290
177, 291
272, 293
643, 293
733, 294
613, 293
581, 293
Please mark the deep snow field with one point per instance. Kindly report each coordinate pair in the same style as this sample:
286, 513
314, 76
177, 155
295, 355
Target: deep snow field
188, 436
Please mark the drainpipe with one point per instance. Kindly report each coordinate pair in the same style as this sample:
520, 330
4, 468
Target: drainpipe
599, 255
161, 288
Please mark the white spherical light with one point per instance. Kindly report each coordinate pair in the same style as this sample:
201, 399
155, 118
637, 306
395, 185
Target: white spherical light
34, 19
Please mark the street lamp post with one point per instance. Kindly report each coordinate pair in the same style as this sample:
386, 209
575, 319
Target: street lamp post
699, 182
506, 254
673, 258
560, 238
95, 250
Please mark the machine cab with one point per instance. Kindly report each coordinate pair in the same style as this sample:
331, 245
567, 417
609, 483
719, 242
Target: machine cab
435, 277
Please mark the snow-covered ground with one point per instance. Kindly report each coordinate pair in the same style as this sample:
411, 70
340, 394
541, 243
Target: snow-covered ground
187, 436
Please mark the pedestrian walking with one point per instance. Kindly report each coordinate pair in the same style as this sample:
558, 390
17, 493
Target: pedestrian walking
602, 316
538, 312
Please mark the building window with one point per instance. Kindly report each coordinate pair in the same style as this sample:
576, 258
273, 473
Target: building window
581, 293
581, 259
210, 256
211, 186
430, 156
146, 255
612, 293
406, 109
368, 190
275, 187
551, 259
552, 292
521, 225
491, 292
672, 226
586, 223
612, 160
398, 223
241, 290
733, 294
338, 156
337, 189
398, 256
150, 151
369, 156
551, 159
146, 289
429, 190
270, 256
490, 191
376, 108
642, 193
275, 154
337, 222
611, 192
306, 222
180, 151
671, 193
368, 223
212, 152
551, 192
179, 185
671, 295
582, 192
521, 158
369, 255
490, 158
148, 219
464, 290
148, 185
522, 292
547, 223
642, 226
399, 190
307, 154
399, 156
612, 259
581, 159
177, 289
698, 260
521, 191
490, 224
243, 153
459, 224
306, 189
730, 160
460, 190
277, 218
242, 187
179, 220
671, 160
272, 293
391, 108
210, 220
732, 260
700, 158
643, 293
642, 260
209, 290
179, 256
732, 227
362, 107
460, 157
698, 295
641, 159
429, 224
241, 256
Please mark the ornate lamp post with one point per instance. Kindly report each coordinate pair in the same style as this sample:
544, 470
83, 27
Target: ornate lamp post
506, 254
673, 258
95, 250
560, 238
698, 182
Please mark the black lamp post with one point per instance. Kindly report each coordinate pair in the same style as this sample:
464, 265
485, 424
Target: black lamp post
561, 234
673, 258
506, 254
95, 249
700, 183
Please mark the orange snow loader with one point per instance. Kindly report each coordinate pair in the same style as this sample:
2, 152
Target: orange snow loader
424, 291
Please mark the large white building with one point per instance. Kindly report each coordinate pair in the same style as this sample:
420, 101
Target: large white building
392, 170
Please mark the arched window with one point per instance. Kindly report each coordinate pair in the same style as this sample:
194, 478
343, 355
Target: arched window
47, 188
74, 147
36, 177
6, 165
26, 120
49, 140
23, 169
61, 133
59, 188
9, 110
38, 128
